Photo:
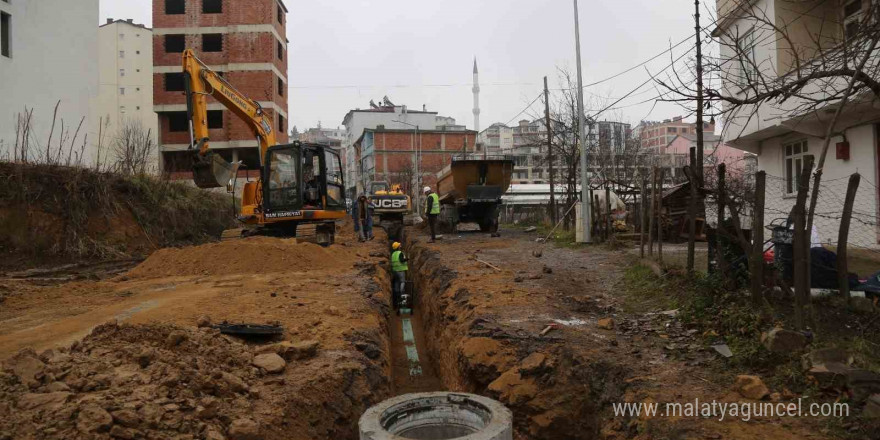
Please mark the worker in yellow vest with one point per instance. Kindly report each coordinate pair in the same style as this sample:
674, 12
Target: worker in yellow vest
399, 267
432, 210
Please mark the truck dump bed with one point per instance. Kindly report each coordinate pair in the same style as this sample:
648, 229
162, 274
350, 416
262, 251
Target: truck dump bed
469, 176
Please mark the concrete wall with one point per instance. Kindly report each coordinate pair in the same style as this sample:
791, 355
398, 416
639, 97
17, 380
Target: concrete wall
127, 47
53, 58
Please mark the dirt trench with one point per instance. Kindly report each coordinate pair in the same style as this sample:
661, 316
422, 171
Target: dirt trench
554, 391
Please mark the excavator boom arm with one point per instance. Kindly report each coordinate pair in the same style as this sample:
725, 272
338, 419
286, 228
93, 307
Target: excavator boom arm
201, 82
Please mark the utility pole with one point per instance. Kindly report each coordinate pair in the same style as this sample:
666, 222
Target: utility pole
549, 150
585, 201
699, 170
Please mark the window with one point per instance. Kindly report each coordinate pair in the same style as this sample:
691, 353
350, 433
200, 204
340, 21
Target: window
121, 72
175, 7
121, 36
121, 54
747, 59
794, 163
672, 129
137, 89
122, 90
280, 51
177, 122
122, 109
212, 42
212, 6
175, 82
280, 87
5, 35
852, 15
281, 122
175, 43
280, 14
215, 119
137, 52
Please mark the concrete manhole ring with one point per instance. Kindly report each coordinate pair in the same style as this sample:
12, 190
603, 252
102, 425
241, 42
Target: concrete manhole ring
437, 416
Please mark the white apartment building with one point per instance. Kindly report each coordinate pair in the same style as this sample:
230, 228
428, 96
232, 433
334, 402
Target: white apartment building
389, 116
48, 53
782, 135
125, 72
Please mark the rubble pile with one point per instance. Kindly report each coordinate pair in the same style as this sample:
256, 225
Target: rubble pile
159, 382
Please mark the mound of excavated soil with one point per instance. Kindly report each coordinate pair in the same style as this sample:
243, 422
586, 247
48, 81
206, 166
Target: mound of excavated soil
166, 382
254, 255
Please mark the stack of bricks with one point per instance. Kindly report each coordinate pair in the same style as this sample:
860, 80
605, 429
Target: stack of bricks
245, 41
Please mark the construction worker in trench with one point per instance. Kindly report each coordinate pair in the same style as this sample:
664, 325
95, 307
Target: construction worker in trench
399, 268
432, 211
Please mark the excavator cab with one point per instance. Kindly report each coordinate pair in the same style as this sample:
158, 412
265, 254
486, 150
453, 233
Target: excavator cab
299, 178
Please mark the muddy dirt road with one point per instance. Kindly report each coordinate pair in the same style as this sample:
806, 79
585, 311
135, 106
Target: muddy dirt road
122, 355
485, 303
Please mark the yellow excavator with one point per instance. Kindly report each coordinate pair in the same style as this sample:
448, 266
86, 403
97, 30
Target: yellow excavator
299, 182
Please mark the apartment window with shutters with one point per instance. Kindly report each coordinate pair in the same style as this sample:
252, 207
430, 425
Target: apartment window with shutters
852, 17
795, 153
121, 72
5, 35
122, 90
121, 54
747, 58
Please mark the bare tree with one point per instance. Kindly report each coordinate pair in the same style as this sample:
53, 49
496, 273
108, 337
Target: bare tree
826, 58
133, 148
64, 150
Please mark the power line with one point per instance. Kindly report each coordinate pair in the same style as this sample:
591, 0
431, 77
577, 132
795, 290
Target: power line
527, 108
391, 86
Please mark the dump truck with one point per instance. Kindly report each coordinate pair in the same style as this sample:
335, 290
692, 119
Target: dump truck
470, 190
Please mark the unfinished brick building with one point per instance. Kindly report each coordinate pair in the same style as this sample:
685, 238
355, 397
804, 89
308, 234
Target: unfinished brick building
244, 40
392, 154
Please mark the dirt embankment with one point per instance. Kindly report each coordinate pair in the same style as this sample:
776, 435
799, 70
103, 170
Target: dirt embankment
55, 214
483, 334
150, 373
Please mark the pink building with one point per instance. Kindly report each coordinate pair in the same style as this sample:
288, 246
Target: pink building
714, 151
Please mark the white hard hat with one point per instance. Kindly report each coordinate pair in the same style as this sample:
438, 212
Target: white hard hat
427, 188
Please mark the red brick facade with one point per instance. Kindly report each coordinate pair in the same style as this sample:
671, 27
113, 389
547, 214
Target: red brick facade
393, 152
243, 29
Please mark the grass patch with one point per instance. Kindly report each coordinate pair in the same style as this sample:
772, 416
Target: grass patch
75, 213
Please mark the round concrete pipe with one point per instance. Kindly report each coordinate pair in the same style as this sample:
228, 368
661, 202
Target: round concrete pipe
437, 416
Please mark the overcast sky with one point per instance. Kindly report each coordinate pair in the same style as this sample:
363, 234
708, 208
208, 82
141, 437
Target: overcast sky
345, 52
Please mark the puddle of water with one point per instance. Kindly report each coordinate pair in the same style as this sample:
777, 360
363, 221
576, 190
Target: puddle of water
146, 305
573, 322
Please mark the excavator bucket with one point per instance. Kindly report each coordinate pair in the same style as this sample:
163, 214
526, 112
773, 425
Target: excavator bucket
212, 171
